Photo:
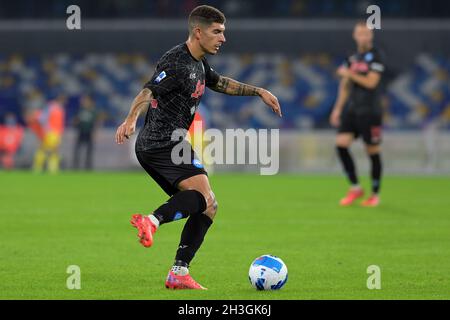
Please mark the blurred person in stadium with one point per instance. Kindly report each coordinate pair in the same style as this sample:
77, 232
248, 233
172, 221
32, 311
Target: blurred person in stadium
48, 125
196, 136
174, 93
357, 112
11, 135
85, 122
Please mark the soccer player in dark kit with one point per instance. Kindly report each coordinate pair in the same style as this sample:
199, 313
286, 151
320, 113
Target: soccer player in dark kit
357, 112
171, 98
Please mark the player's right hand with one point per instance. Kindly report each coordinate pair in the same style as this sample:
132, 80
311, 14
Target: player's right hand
335, 118
125, 130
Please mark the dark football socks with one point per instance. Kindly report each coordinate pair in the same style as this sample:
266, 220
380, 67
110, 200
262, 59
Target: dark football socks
194, 232
181, 205
348, 164
377, 168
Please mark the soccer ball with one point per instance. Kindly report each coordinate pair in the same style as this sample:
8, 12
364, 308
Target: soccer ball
268, 273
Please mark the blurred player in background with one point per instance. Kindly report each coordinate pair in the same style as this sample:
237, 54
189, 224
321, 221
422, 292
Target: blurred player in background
196, 137
85, 122
174, 94
357, 112
11, 135
48, 125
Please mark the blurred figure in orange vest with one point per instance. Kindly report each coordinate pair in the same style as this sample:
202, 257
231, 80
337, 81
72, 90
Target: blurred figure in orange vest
196, 137
48, 124
11, 135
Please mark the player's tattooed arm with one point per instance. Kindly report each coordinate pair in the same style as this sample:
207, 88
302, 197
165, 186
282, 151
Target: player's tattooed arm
236, 88
139, 105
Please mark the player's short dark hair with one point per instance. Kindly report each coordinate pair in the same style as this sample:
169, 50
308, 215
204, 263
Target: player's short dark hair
205, 15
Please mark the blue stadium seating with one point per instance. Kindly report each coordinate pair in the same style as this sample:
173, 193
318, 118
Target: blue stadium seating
305, 85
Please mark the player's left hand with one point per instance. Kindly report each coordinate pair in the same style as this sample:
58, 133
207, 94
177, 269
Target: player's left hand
271, 101
125, 130
343, 72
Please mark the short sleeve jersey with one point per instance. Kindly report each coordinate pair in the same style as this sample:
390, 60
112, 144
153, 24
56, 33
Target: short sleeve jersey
363, 100
177, 84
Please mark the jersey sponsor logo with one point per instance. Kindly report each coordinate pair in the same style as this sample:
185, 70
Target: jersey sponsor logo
192, 76
199, 90
161, 76
359, 67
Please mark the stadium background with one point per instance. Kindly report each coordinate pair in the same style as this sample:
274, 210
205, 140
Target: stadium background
292, 47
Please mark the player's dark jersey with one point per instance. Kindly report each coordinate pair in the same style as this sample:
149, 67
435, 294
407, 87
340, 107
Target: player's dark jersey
177, 85
363, 100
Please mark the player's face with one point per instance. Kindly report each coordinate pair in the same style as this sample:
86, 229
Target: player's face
363, 36
212, 38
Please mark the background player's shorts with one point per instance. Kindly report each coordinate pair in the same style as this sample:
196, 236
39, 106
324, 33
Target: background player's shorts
158, 164
366, 125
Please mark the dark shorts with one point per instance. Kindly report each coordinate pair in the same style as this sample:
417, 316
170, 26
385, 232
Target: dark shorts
369, 126
158, 164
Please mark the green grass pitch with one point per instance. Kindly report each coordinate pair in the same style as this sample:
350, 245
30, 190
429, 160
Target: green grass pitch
50, 222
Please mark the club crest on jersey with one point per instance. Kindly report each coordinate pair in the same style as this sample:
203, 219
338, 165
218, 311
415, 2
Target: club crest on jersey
368, 57
161, 76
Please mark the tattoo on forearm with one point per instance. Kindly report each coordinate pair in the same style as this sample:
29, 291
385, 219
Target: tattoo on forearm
235, 88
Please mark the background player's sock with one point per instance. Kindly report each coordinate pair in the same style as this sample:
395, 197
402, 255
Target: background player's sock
194, 232
376, 172
39, 160
348, 165
53, 163
181, 205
